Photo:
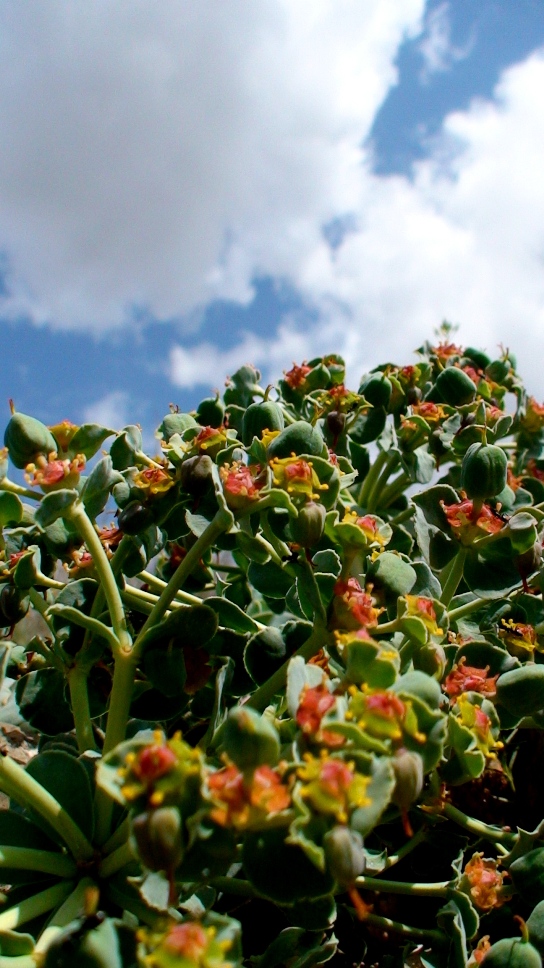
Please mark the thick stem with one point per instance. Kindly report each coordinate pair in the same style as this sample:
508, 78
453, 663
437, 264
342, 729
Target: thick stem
116, 860
265, 693
13, 488
440, 889
371, 478
394, 490
118, 715
466, 609
72, 908
232, 885
376, 496
495, 834
79, 701
33, 907
454, 573
216, 527
406, 930
45, 861
118, 837
86, 529
16, 783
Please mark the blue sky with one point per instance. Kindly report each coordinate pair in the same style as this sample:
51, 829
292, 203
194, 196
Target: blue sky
184, 188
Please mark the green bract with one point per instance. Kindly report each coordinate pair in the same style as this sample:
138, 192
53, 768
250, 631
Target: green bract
282, 680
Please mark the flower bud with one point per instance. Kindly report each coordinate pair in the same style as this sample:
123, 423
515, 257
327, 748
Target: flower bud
483, 471
158, 838
307, 528
454, 387
299, 438
408, 770
259, 417
196, 475
345, 854
211, 412
27, 439
335, 423
135, 517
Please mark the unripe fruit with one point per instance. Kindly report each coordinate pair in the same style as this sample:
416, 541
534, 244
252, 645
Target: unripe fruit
135, 517
259, 417
176, 423
455, 387
307, 529
512, 953
345, 854
211, 412
483, 471
250, 740
27, 439
377, 389
299, 438
196, 475
158, 838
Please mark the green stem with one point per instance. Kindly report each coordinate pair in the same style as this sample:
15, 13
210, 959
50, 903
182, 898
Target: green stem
13, 488
72, 908
79, 701
376, 496
86, 529
402, 516
394, 490
232, 885
307, 579
406, 930
371, 478
406, 849
16, 783
33, 907
220, 523
116, 860
439, 889
466, 609
454, 573
85, 621
45, 861
156, 582
118, 837
477, 827
265, 693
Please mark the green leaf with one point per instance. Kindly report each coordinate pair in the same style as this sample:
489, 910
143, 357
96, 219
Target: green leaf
67, 780
41, 698
252, 547
379, 792
87, 440
432, 529
54, 505
98, 486
11, 509
269, 579
527, 875
250, 739
490, 571
230, 616
125, 447
266, 858
393, 574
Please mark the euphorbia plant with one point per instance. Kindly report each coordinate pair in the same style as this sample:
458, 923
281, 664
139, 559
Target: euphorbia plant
284, 676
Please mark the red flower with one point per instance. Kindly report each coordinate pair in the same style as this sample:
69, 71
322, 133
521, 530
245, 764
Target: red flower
353, 607
312, 706
188, 940
296, 377
463, 678
485, 883
153, 762
240, 484
241, 801
460, 517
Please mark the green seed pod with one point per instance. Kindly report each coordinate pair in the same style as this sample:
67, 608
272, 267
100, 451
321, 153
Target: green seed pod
264, 653
477, 356
455, 387
498, 370
259, 417
211, 412
431, 658
196, 475
345, 854
535, 926
377, 389
521, 691
483, 471
527, 873
307, 529
27, 439
135, 517
512, 953
299, 438
159, 839
250, 740
176, 423
408, 770
13, 606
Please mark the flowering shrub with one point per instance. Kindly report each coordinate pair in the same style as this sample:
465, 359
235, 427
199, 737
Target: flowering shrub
285, 676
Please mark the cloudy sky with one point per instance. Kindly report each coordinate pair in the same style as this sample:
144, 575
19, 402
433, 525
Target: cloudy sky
188, 186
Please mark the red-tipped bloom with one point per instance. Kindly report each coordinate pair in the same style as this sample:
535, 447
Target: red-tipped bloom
240, 483
463, 678
353, 607
296, 377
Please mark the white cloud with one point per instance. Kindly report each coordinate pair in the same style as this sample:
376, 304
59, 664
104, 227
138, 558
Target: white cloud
109, 411
436, 47
158, 154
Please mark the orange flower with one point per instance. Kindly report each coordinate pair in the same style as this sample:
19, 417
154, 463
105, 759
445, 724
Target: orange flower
485, 883
445, 350
188, 940
423, 608
332, 786
460, 517
296, 377
463, 678
49, 474
240, 484
154, 480
431, 412
352, 607
312, 706
241, 802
